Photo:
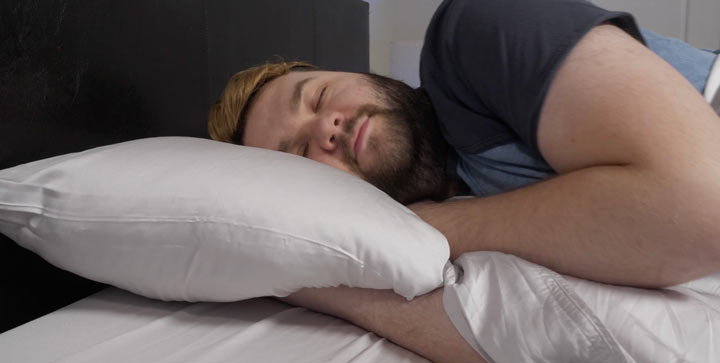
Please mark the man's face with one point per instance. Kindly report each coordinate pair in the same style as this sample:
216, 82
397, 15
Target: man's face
343, 120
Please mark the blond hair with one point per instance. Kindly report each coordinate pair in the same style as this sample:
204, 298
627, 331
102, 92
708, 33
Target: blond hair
227, 117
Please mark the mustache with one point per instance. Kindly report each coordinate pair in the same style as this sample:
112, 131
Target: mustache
344, 140
368, 110
349, 126
346, 136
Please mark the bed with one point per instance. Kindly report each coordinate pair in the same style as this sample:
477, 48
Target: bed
116, 326
108, 73
547, 317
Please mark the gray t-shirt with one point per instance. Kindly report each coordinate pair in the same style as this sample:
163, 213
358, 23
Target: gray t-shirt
514, 165
487, 66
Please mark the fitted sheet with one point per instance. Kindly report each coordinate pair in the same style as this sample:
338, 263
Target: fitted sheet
117, 326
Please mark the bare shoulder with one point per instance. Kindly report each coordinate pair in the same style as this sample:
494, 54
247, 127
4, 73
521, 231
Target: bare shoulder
614, 102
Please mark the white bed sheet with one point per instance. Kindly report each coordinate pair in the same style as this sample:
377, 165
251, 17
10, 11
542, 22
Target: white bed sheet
712, 86
508, 309
117, 326
511, 310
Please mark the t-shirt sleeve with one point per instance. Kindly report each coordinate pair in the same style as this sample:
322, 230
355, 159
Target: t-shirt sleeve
487, 64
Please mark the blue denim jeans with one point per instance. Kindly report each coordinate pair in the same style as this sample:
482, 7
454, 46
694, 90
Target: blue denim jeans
691, 62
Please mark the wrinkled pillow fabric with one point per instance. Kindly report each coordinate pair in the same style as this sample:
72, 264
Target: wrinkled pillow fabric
179, 218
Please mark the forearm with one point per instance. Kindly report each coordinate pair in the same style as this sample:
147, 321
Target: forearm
613, 224
420, 325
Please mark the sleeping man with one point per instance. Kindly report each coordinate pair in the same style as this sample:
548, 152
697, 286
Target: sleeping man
588, 152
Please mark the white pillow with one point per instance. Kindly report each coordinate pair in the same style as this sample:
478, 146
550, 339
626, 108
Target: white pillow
179, 218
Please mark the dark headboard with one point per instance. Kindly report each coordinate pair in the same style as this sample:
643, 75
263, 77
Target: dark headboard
78, 74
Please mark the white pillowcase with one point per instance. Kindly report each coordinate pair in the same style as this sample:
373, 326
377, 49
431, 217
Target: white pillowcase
179, 218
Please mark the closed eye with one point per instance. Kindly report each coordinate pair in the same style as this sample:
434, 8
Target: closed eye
320, 99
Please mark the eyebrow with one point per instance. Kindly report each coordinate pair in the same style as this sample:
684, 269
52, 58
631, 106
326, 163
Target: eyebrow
297, 93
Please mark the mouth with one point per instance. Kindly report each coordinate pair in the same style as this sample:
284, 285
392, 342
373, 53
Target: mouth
360, 136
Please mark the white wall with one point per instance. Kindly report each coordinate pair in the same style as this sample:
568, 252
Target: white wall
704, 26
396, 21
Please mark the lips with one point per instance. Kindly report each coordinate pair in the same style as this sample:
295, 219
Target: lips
360, 138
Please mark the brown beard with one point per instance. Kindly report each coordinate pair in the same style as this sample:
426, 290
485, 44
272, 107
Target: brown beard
411, 155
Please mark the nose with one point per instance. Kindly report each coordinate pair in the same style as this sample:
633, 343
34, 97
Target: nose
328, 129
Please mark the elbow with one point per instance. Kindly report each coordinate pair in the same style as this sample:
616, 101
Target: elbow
698, 222
688, 226
705, 216
712, 245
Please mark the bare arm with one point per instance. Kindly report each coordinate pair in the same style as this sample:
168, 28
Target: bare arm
637, 198
420, 325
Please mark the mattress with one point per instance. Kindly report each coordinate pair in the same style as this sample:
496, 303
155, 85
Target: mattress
117, 326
